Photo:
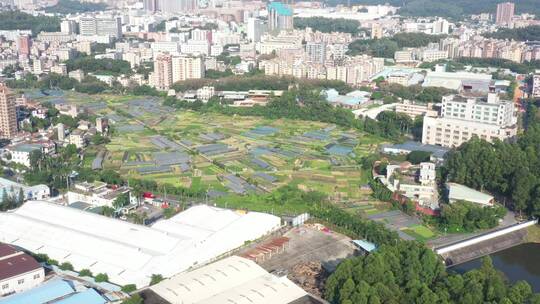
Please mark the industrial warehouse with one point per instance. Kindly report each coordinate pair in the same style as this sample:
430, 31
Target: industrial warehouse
129, 253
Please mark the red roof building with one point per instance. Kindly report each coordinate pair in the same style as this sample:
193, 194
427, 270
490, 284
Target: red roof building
18, 271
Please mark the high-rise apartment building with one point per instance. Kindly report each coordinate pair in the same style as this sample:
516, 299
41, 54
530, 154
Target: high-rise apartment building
316, 52
505, 13
255, 29
177, 6
377, 31
280, 16
91, 26
464, 117
536, 86
162, 77
24, 44
8, 113
68, 27
187, 67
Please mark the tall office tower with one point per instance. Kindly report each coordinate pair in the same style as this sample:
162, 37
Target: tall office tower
505, 13
24, 43
316, 52
8, 113
68, 27
162, 77
255, 29
280, 16
187, 67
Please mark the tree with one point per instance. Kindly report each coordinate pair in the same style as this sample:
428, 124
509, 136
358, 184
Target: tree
134, 299
121, 201
66, 266
129, 288
85, 273
101, 277
416, 157
156, 278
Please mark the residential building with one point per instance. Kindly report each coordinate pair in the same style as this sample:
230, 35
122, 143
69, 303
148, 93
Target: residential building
101, 26
12, 189
377, 31
316, 52
20, 153
255, 29
162, 77
464, 117
415, 109
78, 138
536, 86
24, 44
184, 67
505, 13
96, 194
8, 114
416, 182
68, 27
18, 271
280, 16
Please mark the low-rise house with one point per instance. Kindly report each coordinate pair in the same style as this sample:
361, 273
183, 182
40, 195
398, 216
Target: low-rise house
416, 182
12, 189
96, 194
20, 153
18, 271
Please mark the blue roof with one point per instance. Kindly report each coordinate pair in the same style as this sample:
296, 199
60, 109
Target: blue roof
42, 294
280, 8
89, 296
367, 246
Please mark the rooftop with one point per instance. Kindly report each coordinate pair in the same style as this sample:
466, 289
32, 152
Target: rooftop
17, 265
280, 8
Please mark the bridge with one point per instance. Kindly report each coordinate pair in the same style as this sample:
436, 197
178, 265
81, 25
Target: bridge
484, 244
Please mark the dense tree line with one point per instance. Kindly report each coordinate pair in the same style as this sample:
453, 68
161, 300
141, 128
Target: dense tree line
509, 169
466, 216
529, 33
386, 47
16, 20
257, 81
408, 272
89, 85
328, 25
520, 68
416, 93
65, 7
103, 66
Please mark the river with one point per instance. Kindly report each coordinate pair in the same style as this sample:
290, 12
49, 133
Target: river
517, 263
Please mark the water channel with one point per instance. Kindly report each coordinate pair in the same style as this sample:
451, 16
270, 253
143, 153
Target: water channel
521, 262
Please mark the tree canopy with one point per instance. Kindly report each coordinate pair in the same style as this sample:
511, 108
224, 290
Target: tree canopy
529, 33
328, 25
386, 47
71, 7
16, 20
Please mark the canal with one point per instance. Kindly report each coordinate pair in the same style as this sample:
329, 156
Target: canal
517, 263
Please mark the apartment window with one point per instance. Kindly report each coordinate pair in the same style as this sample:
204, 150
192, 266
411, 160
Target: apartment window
5, 286
36, 276
21, 281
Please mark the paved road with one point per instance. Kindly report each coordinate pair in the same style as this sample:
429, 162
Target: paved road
508, 220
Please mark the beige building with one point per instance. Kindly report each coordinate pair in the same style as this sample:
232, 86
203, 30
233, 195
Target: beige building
413, 109
184, 67
462, 118
162, 77
8, 114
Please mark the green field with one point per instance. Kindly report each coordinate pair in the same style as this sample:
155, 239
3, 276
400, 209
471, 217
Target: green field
420, 233
292, 151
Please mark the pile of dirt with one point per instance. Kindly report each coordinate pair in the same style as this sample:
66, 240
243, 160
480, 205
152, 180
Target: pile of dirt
311, 276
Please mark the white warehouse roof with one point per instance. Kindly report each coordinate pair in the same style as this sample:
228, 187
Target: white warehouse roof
131, 253
231, 280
